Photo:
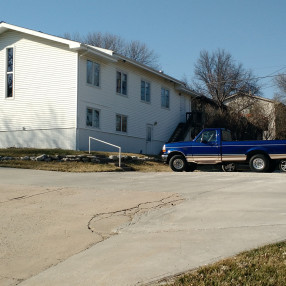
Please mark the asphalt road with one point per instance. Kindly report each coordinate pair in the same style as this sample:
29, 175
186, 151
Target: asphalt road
132, 228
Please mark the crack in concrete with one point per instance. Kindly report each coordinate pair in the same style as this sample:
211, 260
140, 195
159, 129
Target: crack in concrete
121, 219
30, 196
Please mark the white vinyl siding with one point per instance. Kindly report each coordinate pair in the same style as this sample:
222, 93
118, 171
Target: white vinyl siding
163, 120
45, 89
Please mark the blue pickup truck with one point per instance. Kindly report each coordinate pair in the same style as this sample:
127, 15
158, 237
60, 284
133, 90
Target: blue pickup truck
215, 146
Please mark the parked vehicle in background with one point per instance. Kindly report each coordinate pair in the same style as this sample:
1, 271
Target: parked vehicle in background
215, 146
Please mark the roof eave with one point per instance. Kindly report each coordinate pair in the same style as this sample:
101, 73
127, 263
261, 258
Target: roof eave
87, 49
72, 44
149, 69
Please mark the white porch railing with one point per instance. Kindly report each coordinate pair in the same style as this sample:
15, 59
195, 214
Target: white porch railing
119, 157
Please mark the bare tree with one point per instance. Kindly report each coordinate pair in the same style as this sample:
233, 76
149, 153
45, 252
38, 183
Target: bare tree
280, 82
218, 76
134, 50
74, 36
106, 41
141, 53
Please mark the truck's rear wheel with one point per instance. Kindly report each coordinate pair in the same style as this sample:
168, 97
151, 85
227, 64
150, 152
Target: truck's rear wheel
259, 163
282, 165
178, 163
229, 167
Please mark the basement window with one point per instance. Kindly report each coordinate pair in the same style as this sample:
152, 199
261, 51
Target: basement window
92, 117
121, 123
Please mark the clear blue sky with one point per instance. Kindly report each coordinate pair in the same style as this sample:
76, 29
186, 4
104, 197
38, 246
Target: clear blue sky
253, 31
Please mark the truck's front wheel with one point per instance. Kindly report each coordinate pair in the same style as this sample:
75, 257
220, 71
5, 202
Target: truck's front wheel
259, 163
178, 163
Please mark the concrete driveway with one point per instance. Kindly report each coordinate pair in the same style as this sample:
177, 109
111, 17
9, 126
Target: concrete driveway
131, 228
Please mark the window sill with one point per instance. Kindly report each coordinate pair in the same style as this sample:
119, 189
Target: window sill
91, 85
120, 132
121, 94
92, 128
146, 102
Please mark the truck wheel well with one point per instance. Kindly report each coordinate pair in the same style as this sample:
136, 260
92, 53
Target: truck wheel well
173, 154
255, 152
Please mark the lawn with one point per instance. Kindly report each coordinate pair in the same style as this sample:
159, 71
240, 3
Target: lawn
264, 266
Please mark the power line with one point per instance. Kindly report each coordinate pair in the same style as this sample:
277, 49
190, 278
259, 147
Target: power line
277, 70
241, 80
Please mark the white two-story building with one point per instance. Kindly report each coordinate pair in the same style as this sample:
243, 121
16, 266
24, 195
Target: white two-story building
55, 93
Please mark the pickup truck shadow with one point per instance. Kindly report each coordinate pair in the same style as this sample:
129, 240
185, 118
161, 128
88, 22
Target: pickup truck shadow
218, 168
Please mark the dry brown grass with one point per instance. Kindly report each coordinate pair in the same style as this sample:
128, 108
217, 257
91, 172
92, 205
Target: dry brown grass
84, 167
140, 165
21, 152
265, 266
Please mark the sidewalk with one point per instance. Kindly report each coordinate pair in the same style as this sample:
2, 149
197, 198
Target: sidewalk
221, 214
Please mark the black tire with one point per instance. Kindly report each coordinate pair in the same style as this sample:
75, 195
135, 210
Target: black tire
228, 167
178, 163
282, 165
191, 167
259, 163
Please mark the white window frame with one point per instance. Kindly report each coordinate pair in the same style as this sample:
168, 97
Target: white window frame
145, 95
92, 73
121, 123
92, 119
9, 72
121, 83
165, 95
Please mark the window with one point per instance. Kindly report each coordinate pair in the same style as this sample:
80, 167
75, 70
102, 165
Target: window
121, 83
207, 137
92, 117
226, 135
145, 91
149, 133
165, 98
92, 73
10, 72
121, 123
